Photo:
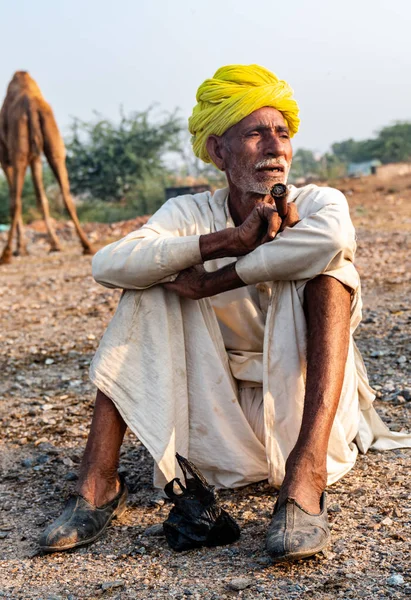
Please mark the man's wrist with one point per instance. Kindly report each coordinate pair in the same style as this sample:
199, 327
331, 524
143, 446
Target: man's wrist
220, 244
222, 280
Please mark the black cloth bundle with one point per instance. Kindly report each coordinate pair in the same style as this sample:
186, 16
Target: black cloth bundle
196, 518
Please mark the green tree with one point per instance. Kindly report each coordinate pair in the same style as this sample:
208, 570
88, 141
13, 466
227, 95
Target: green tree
107, 160
395, 143
392, 144
351, 151
304, 163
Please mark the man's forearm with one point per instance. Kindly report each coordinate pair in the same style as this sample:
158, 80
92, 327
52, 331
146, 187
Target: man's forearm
218, 245
222, 280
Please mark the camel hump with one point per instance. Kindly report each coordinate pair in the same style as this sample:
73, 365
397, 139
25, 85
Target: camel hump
23, 83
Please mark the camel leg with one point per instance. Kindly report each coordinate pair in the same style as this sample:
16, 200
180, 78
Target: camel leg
58, 167
16, 209
37, 174
21, 240
21, 245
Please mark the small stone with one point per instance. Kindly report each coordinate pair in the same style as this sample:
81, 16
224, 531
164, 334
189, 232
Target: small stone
110, 585
264, 561
157, 500
48, 361
395, 579
71, 476
40, 441
3, 535
378, 353
49, 448
27, 462
401, 360
240, 583
75, 383
335, 508
406, 394
154, 530
387, 521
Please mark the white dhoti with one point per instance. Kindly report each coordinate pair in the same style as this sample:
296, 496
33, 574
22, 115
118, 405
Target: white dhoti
164, 360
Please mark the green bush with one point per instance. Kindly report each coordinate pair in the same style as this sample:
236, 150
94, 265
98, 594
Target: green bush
110, 161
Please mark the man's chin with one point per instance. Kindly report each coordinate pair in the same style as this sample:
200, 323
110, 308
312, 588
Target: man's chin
265, 188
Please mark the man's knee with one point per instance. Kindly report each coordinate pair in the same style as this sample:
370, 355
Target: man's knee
327, 293
325, 286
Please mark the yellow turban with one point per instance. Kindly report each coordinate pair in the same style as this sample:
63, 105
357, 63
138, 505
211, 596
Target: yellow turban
233, 93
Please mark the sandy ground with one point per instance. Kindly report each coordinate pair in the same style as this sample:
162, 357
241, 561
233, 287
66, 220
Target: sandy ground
52, 316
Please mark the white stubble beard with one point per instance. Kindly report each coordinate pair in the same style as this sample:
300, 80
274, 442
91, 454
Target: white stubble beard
246, 183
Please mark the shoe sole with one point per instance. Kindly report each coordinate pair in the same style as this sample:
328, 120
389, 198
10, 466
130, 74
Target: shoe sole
299, 555
116, 515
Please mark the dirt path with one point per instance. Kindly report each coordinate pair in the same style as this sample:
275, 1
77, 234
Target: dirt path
52, 316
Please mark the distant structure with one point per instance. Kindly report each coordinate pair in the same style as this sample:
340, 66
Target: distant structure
374, 167
394, 170
27, 129
368, 167
172, 192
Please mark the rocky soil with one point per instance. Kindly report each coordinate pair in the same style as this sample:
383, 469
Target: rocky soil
52, 315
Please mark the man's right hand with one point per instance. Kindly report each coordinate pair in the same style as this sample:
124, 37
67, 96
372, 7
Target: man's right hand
261, 226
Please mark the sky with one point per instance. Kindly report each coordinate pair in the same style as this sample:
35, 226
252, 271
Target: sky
349, 62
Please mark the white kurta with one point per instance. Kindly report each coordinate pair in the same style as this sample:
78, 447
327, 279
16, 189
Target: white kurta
174, 366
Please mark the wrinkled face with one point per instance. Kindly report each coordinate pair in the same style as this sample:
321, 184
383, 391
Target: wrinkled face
257, 151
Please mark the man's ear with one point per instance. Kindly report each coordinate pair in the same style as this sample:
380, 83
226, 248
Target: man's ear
214, 145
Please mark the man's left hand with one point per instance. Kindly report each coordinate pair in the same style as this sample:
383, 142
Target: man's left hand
190, 283
196, 283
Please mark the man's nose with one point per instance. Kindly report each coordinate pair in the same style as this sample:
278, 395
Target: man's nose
273, 146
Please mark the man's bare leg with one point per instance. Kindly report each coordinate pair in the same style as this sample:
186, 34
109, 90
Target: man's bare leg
327, 307
98, 480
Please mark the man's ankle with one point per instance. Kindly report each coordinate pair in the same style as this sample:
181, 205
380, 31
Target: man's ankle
98, 488
304, 482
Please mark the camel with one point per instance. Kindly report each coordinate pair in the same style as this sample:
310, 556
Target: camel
28, 128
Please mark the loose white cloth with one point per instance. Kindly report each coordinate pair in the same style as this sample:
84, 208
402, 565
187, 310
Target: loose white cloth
221, 380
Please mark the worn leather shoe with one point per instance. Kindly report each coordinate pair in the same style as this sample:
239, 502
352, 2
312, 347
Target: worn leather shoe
295, 533
81, 522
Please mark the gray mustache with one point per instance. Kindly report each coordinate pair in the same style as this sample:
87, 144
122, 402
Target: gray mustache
271, 162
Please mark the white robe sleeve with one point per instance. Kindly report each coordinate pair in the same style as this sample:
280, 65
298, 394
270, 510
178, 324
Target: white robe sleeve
323, 241
156, 253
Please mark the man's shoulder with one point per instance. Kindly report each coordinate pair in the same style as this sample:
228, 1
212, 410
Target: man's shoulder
202, 205
318, 195
199, 200
200, 210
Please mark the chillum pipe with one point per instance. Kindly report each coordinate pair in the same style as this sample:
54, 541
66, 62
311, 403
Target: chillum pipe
279, 193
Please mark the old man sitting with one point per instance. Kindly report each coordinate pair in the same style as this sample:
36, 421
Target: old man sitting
232, 343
